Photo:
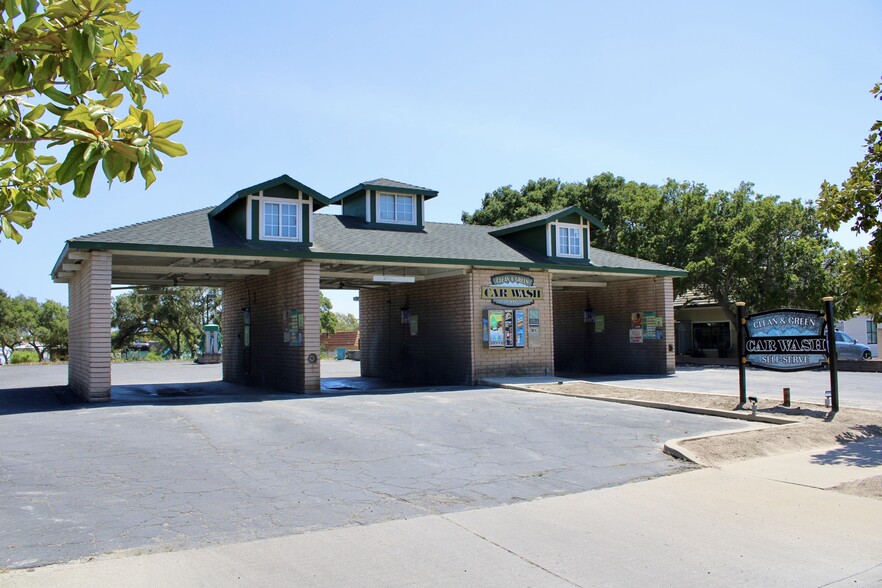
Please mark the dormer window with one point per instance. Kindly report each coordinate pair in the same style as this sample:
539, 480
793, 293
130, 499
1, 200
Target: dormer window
396, 208
280, 220
569, 241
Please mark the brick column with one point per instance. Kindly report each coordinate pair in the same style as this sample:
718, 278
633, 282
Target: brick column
306, 296
88, 370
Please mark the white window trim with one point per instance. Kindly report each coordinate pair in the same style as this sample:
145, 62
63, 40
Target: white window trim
413, 198
298, 207
578, 229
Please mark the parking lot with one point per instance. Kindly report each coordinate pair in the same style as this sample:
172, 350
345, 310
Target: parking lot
214, 463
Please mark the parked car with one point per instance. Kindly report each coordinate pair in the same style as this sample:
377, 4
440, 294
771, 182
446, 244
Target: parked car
848, 348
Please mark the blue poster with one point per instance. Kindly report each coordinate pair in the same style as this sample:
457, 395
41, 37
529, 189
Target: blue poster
520, 339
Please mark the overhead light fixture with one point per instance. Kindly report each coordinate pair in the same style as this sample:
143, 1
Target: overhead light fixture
395, 279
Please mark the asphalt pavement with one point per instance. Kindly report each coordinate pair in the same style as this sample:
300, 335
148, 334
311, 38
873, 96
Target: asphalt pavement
207, 484
178, 466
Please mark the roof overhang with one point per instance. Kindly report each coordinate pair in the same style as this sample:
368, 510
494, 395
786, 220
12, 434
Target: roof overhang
178, 266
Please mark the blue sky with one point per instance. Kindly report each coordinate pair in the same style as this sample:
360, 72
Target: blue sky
464, 97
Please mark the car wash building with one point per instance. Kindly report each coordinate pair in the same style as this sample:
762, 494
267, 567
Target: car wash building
439, 303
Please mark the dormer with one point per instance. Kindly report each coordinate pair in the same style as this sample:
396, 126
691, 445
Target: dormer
387, 204
276, 211
562, 235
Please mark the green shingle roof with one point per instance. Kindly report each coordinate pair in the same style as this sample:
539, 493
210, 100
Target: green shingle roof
387, 185
544, 218
283, 180
346, 237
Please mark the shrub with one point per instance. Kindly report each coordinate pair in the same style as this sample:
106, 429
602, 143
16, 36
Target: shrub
24, 357
153, 356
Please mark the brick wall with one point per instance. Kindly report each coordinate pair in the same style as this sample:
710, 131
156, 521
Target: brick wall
448, 348
89, 302
611, 351
439, 353
270, 362
535, 359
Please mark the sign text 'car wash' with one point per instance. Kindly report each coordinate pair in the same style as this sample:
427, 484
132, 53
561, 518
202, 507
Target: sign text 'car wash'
511, 290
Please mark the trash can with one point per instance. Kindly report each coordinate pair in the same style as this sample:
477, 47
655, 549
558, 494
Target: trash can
341, 353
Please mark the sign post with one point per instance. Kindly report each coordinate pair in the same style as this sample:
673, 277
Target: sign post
831, 353
742, 360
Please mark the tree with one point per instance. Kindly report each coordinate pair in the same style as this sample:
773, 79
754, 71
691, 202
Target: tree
173, 317
346, 322
10, 331
52, 320
862, 286
860, 197
42, 326
765, 252
327, 319
66, 68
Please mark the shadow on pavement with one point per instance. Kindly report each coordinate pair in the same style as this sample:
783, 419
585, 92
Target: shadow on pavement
859, 450
58, 398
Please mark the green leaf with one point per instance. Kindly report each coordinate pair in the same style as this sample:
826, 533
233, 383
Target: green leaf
29, 7
13, 11
125, 150
83, 182
113, 165
46, 160
36, 113
21, 217
9, 231
70, 167
58, 96
170, 148
166, 129
148, 175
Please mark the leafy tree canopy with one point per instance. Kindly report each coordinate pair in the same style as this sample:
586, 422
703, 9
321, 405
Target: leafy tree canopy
67, 67
23, 320
346, 322
173, 317
860, 197
327, 318
735, 245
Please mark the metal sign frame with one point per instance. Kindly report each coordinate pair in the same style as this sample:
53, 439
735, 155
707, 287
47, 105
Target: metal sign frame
809, 346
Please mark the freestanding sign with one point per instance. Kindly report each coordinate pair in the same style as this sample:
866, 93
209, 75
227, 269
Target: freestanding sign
786, 340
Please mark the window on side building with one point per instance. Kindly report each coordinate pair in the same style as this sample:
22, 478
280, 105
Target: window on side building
396, 208
872, 334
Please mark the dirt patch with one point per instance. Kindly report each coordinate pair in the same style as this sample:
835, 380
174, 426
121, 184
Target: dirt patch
813, 426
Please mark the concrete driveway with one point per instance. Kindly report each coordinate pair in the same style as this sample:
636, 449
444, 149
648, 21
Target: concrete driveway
856, 389
218, 464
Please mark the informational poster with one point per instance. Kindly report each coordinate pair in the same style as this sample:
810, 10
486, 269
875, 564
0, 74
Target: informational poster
520, 329
292, 327
636, 335
509, 328
533, 324
496, 337
636, 320
649, 325
485, 330
653, 326
414, 325
599, 323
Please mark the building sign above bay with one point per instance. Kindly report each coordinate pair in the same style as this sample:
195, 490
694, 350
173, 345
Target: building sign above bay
511, 290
